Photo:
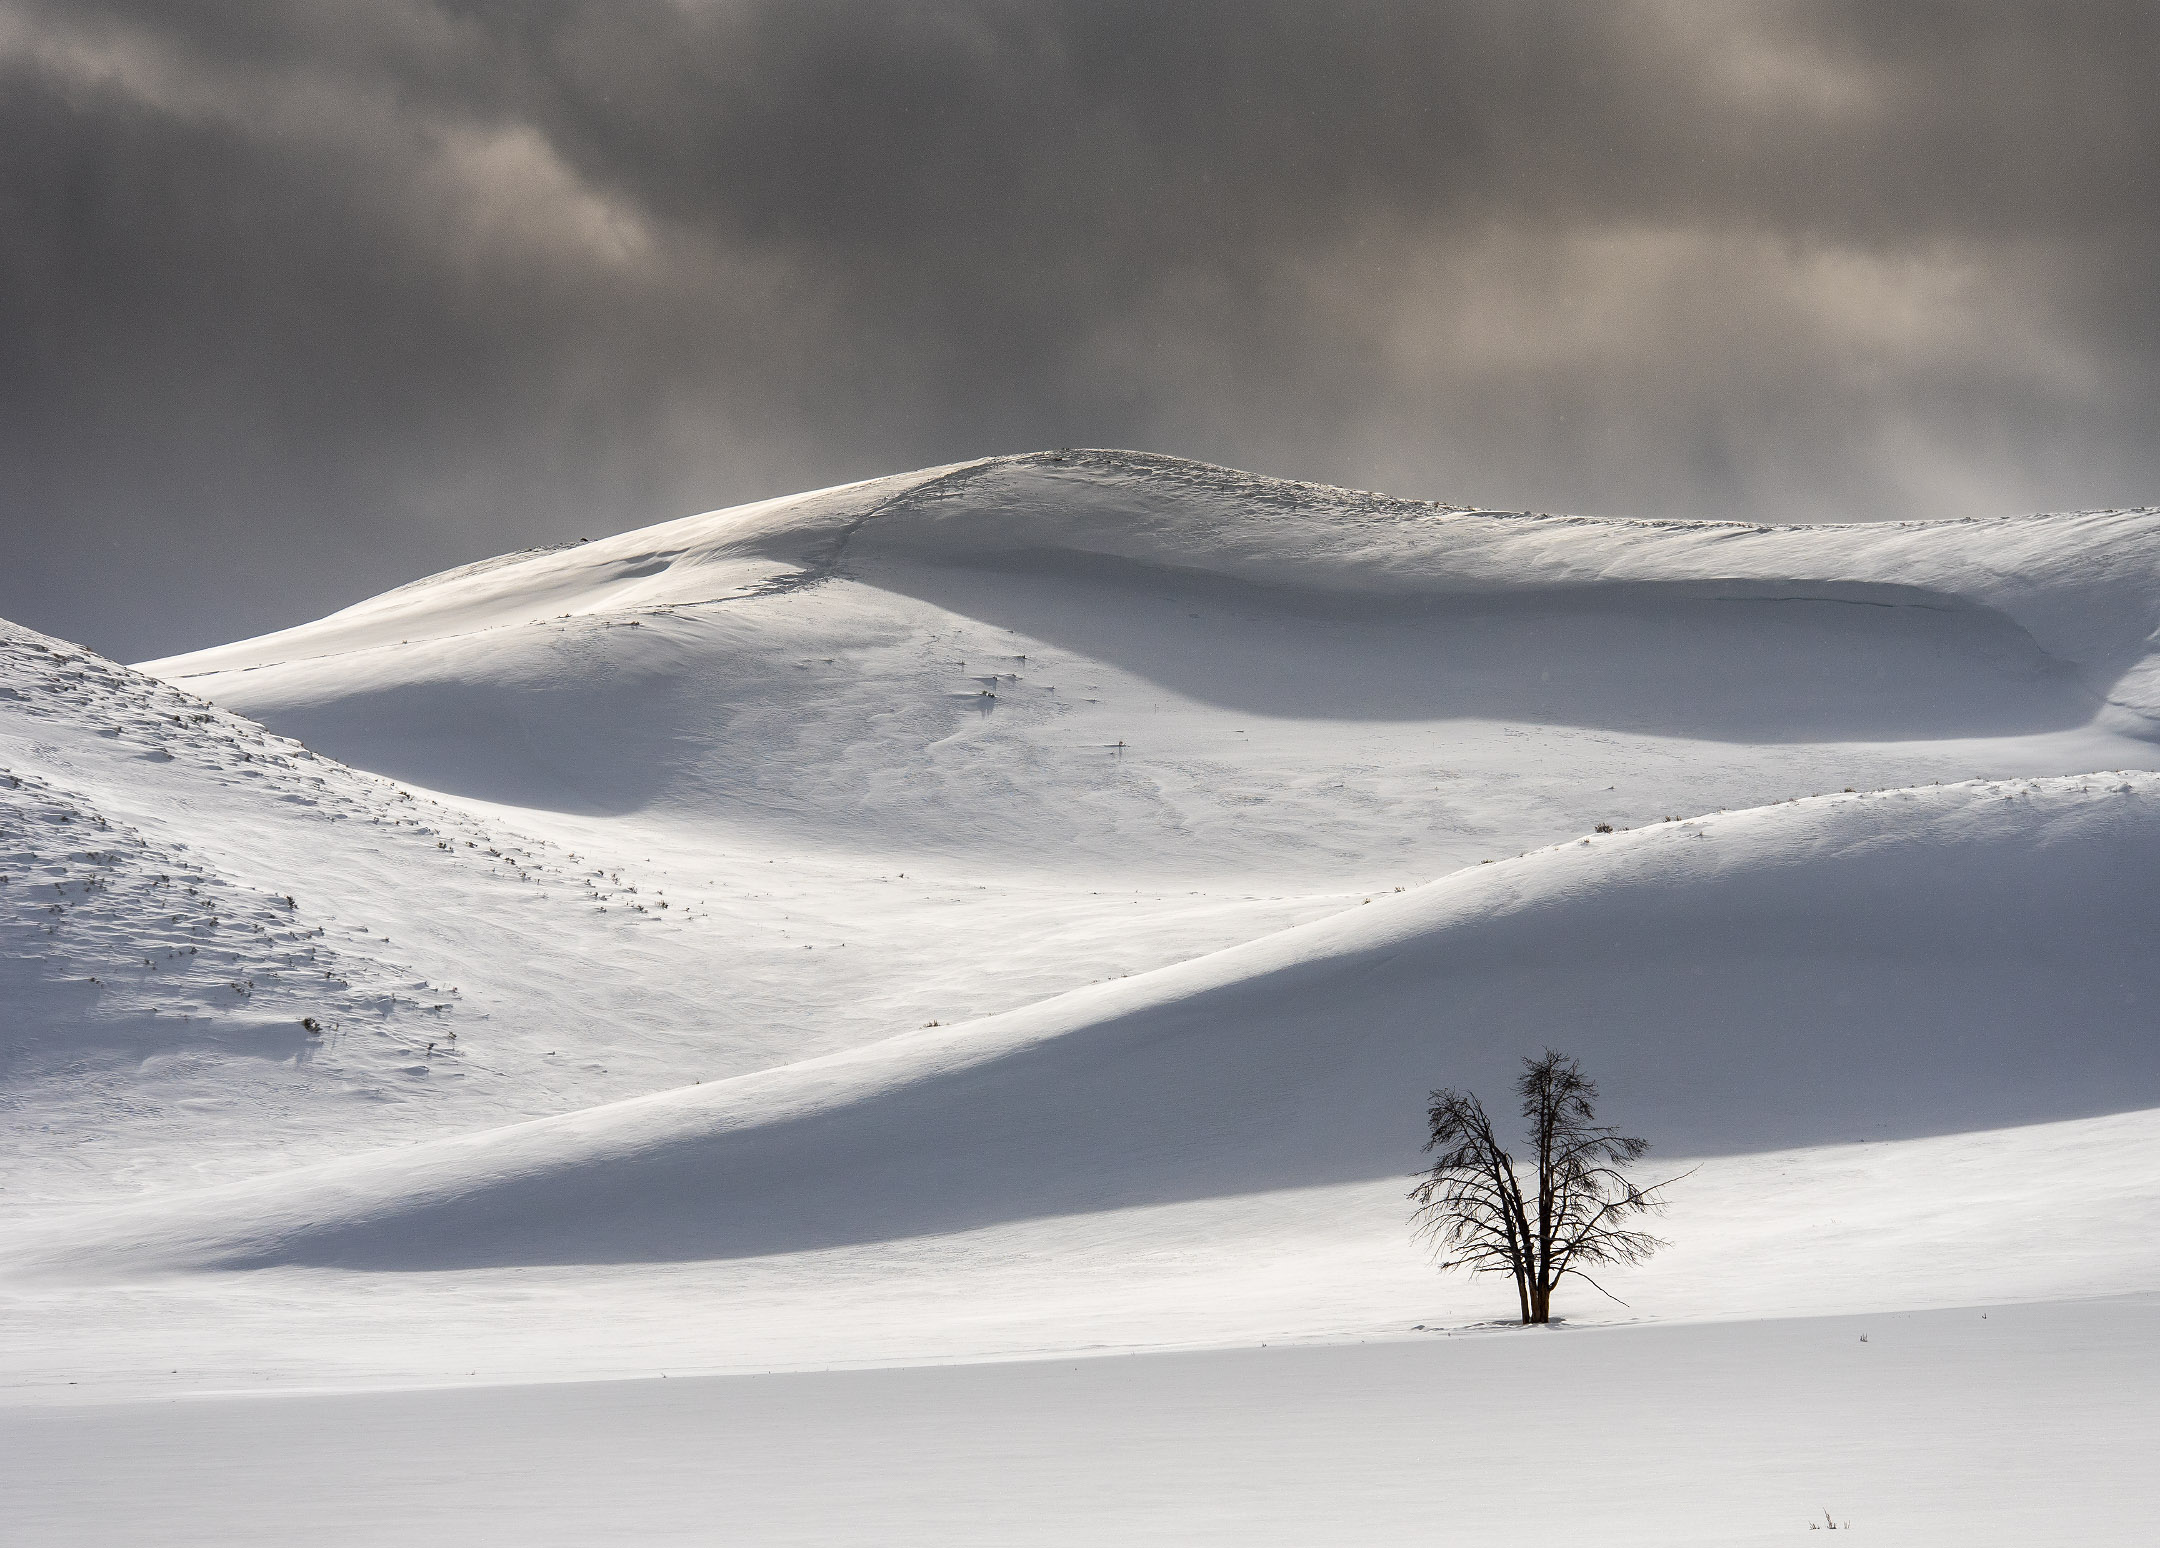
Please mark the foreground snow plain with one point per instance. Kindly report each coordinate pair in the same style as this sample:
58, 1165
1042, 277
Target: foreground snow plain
1014, 911
2026, 1424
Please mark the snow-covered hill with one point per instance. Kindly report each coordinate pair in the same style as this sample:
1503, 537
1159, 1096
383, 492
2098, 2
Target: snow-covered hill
1019, 907
719, 795
1154, 671
185, 892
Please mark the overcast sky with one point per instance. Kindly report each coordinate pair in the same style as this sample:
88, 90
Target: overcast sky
301, 300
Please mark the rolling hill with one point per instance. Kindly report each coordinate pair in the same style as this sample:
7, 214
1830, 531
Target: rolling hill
1018, 908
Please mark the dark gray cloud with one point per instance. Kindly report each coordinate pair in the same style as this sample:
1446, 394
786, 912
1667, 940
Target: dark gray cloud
298, 300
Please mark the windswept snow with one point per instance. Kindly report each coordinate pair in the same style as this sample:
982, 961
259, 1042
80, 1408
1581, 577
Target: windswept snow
1018, 908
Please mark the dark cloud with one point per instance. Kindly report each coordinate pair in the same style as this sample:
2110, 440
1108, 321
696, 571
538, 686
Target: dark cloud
298, 300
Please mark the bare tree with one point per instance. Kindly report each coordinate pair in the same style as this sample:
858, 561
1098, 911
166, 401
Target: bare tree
1472, 1205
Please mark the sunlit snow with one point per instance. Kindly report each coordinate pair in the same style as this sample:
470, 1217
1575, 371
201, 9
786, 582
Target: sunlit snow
1013, 913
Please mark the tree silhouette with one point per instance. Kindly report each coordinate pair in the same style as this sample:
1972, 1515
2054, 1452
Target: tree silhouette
1472, 1205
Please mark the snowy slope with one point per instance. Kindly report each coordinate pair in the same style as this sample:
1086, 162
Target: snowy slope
176, 976
1075, 873
1157, 671
2081, 586
185, 890
1886, 965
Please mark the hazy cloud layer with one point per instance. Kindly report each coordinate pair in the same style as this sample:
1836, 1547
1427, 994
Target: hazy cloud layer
299, 300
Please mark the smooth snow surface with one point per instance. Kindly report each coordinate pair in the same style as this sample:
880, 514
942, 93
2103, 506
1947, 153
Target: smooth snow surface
1942, 1429
1017, 909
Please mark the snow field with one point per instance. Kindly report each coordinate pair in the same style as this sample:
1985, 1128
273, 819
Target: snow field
1016, 910
2028, 1425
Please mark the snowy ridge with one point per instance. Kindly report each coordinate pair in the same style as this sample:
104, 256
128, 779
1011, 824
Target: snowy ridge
1162, 671
720, 556
1164, 513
